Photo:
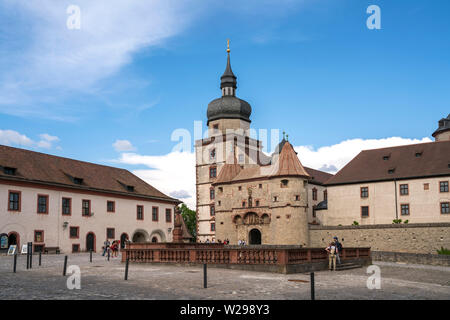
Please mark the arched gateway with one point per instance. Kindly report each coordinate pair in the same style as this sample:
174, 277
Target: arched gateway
254, 236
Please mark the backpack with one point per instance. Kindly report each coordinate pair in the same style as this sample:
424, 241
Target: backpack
339, 247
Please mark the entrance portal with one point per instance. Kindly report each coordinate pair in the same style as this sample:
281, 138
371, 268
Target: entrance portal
90, 242
255, 236
123, 239
13, 239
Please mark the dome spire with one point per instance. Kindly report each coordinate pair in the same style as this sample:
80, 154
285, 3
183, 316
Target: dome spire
228, 82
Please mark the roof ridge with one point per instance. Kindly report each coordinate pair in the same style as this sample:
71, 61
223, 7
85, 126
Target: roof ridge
60, 157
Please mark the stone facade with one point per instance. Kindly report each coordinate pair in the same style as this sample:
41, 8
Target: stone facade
409, 238
55, 226
384, 202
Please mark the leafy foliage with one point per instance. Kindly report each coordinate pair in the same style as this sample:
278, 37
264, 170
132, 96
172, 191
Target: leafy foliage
443, 251
190, 218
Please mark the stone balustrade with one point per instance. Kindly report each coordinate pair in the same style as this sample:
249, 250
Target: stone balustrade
218, 254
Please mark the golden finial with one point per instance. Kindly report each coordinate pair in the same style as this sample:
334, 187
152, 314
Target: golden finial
228, 45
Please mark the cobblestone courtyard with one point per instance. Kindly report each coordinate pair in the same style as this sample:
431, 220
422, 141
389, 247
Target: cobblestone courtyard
104, 279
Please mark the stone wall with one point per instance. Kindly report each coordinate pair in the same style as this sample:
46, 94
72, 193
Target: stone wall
411, 238
415, 258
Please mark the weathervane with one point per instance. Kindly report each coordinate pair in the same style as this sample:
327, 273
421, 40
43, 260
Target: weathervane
228, 45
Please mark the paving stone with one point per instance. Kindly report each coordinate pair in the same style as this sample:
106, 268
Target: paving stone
104, 279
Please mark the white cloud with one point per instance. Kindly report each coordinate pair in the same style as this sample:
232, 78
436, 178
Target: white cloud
50, 60
335, 157
11, 137
168, 173
174, 173
123, 146
47, 137
14, 138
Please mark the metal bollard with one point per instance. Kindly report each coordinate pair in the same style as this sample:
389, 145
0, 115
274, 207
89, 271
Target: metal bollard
15, 263
90, 256
31, 255
65, 266
313, 294
28, 260
108, 254
205, 276
126, 268
40, 258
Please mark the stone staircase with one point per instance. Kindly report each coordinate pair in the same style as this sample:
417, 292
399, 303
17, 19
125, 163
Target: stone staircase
347, 266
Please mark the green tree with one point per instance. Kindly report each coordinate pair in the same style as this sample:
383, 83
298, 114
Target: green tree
190, 218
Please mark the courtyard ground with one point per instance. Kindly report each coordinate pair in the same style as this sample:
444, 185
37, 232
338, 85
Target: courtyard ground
104, 279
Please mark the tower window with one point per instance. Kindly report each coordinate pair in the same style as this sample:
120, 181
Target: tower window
314, 194
284, 183
212, 172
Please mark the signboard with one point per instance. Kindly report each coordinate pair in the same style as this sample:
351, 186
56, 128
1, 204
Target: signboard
12, 250
3, 241
24, 249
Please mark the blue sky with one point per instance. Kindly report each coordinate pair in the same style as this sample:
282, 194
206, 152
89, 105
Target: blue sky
138, 70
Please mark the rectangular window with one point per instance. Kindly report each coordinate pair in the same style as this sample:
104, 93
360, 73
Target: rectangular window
86, 207
212, 211
140, 212
257, 203
110, 206
14, 200
325, 195
275, 199
42, 204
211, 194
212, 154
75, 248
110, 233
66, 206
443, 186
404, 209
74, 232
364, 211
260, 186
212, 172
155, 213
168, 215
426, 186
404, 189
445, 207
364, 192
38, 236
314, 194
213, 227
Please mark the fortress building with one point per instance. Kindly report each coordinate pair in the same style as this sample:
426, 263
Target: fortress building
243, 194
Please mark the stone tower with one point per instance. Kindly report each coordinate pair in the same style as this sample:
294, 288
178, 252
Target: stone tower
228, 134
443, 132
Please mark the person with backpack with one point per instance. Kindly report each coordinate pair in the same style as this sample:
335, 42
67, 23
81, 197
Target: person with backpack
331, 249
338, 249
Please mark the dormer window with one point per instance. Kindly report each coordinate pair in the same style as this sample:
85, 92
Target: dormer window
418, 154
386, 157
391, 171
78, 181
10, 171
130, 188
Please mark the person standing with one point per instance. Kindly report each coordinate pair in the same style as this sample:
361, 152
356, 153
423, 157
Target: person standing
331, 249
105, 246
338, 249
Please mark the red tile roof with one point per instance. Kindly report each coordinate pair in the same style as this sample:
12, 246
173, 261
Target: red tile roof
35, 167
403, 162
